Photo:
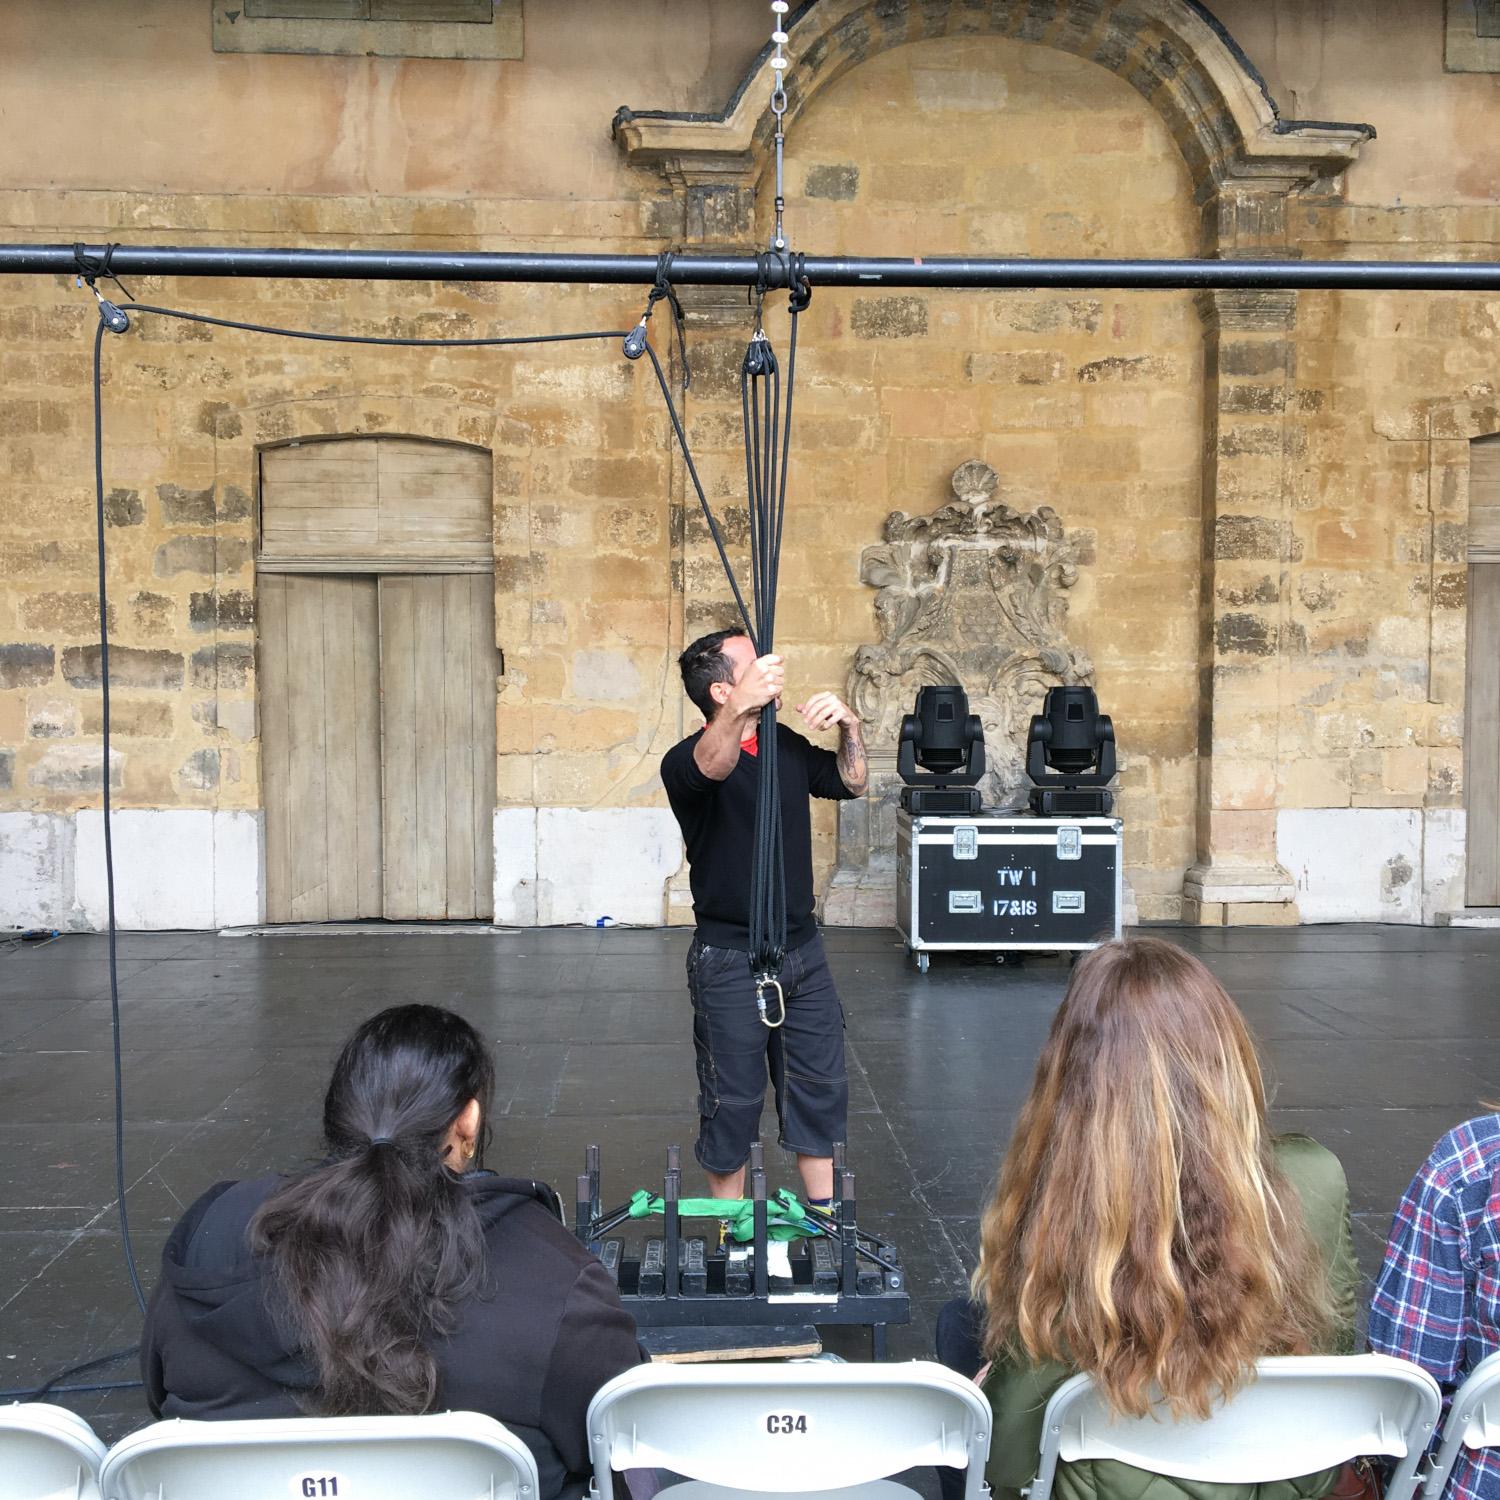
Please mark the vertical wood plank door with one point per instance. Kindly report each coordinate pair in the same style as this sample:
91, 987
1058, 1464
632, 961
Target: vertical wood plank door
320, 747
438, 668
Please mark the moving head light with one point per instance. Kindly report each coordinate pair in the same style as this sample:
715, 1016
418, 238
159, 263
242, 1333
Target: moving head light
1078, 742
941, 735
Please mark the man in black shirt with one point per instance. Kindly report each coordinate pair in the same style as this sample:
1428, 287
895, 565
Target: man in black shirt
711, 779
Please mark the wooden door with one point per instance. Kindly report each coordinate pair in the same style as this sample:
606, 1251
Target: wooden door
438, 665
378, 679
1482, 697
320, 747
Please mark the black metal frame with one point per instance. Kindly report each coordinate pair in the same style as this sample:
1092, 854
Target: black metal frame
856, 1280
763, 270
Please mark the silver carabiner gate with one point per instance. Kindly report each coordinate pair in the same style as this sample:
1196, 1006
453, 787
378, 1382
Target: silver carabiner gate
764, 982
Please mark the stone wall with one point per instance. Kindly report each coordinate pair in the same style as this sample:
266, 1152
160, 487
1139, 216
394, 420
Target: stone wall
1271, 491
1089, 403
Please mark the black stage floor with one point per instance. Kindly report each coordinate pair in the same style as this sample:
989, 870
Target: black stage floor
1377, 1040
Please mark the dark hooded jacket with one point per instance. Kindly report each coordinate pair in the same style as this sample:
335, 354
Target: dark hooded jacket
531, 1350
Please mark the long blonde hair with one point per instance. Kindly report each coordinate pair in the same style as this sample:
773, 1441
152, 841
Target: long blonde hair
1140, 1230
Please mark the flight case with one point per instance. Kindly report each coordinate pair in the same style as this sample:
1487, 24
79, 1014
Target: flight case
1006, 882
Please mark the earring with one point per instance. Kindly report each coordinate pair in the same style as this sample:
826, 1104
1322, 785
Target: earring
468, 1150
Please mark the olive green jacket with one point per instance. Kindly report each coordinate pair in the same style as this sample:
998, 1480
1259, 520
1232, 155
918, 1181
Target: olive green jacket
1018, 1394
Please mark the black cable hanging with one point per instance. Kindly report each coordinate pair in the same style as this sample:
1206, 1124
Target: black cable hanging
768, 436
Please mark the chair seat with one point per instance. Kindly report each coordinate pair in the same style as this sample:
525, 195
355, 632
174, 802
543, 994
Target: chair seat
876, 1489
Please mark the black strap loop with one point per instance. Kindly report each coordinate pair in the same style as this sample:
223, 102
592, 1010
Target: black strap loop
799, 288
662, 290
92, 268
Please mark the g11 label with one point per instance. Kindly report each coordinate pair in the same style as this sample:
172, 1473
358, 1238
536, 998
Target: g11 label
318, 1487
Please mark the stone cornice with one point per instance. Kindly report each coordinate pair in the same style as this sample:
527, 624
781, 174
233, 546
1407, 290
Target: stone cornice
1172, 52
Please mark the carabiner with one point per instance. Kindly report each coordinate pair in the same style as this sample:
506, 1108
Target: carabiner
764, 982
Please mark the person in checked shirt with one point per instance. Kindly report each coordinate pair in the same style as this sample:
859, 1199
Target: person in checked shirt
1437, 1300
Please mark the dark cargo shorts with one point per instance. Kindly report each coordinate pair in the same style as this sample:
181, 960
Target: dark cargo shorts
804, 1058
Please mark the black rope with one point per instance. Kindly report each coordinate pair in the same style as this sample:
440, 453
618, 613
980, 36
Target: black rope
109, 844
768, 439
692, 472
379, 339
54, 1385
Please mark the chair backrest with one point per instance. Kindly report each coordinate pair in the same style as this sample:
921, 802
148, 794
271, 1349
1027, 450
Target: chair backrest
1297, 1416
788, 1429
1473, 1422
454, 1455
47, 1453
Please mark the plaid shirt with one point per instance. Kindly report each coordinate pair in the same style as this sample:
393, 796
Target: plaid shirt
1437, 1302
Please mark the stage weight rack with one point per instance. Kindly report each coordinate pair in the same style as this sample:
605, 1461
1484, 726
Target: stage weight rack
840, 1274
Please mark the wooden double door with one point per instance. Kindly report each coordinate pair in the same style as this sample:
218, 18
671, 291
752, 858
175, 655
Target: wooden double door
378, 745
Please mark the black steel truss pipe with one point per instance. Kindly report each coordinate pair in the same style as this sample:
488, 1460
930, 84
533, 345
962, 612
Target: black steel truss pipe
749, 270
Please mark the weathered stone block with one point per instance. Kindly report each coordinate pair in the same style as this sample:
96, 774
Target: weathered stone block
1123, 367
1024, 312
1245, 634
233, 609
1263, 590
130, 718
180, 507
124, 508
234, 504
224, 665
1023, 367
66, 613
185, 554
1254, 357
889, 317
200, 771
835, 180
1252, 537
26, 665
51, 721
76, 768
152, 613
129, 667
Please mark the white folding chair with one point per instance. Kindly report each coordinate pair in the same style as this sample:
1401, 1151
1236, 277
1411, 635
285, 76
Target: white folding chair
456, 1455
47, 1453
789, 1429
1298, 1415
1473, 1422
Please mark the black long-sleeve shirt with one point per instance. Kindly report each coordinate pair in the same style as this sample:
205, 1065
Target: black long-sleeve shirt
717, 819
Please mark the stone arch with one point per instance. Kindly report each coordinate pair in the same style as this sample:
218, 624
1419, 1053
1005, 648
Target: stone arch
1243, 157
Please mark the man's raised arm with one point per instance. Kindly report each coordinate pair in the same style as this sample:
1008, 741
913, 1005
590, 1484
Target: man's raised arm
718, 749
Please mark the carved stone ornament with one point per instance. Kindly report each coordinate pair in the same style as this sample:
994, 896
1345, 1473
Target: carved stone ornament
974, 594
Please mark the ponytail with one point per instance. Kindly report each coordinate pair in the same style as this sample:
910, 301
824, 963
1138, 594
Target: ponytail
375, 1249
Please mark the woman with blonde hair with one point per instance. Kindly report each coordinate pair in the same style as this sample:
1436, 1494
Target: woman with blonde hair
1147, 1227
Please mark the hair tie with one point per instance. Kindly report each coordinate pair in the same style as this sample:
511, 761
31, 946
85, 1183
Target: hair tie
380, 1140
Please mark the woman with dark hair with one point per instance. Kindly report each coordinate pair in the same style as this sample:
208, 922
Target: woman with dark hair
398, 1275
1147, 1227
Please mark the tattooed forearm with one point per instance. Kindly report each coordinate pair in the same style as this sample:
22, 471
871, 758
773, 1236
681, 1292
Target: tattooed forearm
854, 771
